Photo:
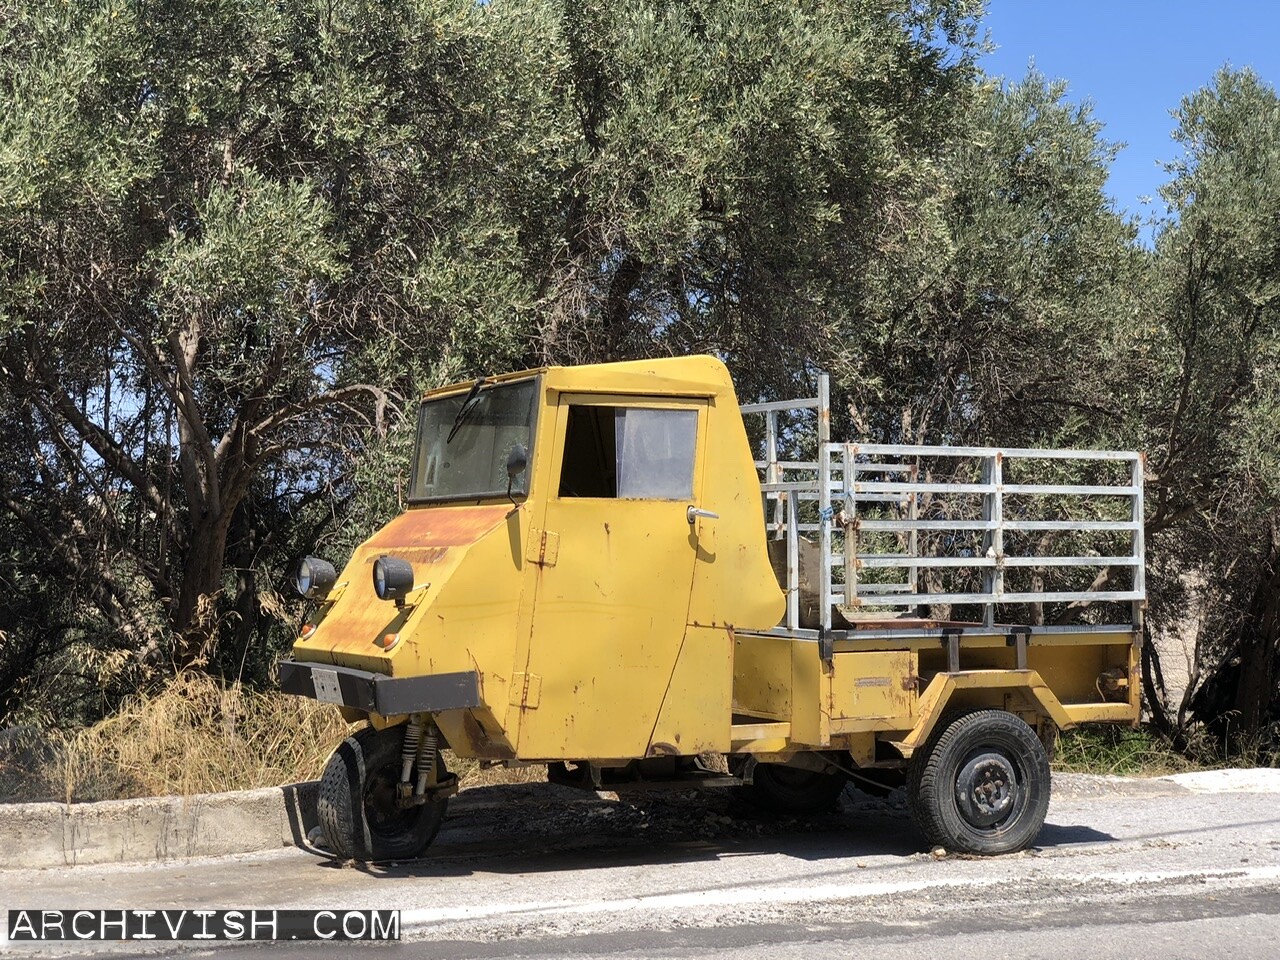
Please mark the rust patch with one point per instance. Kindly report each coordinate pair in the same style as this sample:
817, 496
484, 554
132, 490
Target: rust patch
663, 750
482, 744
437, 527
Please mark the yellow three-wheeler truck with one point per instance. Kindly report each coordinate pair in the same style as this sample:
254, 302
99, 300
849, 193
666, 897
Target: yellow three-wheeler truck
595, 573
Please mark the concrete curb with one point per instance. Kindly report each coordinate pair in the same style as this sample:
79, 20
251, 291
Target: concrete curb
155, 828
40, 835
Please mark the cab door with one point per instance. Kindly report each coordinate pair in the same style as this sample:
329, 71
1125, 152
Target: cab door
612, 563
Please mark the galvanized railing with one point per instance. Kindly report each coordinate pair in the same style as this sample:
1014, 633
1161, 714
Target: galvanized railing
856, 496
785, 496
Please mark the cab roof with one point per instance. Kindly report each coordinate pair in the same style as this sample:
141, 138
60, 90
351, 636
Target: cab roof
695, 376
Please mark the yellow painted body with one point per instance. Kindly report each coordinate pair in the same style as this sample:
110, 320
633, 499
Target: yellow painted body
896, 690
601, 628
610, 629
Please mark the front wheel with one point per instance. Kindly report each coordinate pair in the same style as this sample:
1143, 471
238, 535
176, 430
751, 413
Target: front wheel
357, 804
981, 785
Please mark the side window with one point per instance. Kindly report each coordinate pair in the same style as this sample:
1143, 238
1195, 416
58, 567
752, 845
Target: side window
590, 467
655, 453
634, 453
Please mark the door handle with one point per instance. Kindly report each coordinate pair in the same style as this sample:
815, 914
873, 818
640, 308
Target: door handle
694, 513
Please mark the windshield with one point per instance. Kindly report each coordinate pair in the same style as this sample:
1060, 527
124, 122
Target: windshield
473, 465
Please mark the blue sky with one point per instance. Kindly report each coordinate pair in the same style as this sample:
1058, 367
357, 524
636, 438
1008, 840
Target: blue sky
1135, 60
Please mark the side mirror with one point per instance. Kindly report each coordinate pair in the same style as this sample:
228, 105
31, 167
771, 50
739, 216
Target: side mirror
517, 463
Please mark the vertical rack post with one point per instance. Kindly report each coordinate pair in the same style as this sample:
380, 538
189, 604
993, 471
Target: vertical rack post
1136, 471
849, 462
913, 535
772, 472
851, 526
793, 564
824, 503
993, 536
997, 533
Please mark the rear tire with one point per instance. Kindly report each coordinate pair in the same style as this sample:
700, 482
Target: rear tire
981, 784
356, 806
784, 789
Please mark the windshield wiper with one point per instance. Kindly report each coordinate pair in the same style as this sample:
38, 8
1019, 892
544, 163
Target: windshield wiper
469, 404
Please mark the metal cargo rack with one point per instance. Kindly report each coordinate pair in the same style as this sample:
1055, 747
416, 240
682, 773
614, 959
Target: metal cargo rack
855, 497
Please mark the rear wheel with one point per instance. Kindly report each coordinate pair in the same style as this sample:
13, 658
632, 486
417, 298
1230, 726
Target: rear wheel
357, 805
981, 784
785, 789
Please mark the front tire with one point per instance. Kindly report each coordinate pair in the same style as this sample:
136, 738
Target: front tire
981, 785
356, 807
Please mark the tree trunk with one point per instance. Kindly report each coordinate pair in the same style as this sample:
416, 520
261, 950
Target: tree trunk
1256, 683
1153, 689
196, 618
246, 598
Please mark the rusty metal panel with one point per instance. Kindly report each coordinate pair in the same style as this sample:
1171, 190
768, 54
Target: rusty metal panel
985, 688
810, 696
875, 685
762, 676
550, 548
1073, 671
439, 526
354, 622
526, 691
696, 711
533, 551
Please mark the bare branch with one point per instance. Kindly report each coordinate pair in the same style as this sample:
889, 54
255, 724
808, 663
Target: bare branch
338, 397
184, 344
111, 452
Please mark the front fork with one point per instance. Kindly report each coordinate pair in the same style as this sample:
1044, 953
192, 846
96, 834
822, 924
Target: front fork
421, 746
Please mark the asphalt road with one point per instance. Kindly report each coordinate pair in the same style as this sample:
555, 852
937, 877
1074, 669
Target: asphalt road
1122, 869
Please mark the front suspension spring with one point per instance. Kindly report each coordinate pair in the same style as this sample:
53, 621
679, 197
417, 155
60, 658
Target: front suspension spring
427, 761
409, 752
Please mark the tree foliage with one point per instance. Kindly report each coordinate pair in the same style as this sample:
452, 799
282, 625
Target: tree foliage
1212, 355
236, 239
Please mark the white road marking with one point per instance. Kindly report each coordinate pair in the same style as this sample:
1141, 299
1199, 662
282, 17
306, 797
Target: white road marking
772, 895
1258, 780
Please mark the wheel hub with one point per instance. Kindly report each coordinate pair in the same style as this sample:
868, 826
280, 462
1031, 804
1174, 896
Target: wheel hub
986, 787
384, 811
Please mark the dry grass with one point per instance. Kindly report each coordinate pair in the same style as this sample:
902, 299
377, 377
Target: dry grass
471, 773
196, 736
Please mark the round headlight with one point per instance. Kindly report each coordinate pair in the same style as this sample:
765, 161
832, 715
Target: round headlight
315, 578
392, 578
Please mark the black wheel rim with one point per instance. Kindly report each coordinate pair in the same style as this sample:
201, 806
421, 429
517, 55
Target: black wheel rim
989, 789
384, 817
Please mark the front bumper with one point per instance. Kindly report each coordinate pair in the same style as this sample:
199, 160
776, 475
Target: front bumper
379, 693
